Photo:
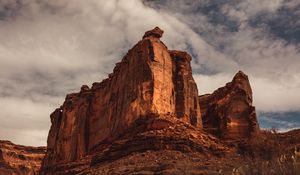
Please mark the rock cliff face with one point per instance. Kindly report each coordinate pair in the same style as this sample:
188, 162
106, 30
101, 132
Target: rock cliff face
228, 112
148, 110
20, 160
149, 81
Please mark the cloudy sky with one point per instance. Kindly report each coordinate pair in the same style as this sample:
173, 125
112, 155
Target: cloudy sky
49, 48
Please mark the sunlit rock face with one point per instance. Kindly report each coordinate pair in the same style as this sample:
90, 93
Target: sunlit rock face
20, 160
228, 111
149, 80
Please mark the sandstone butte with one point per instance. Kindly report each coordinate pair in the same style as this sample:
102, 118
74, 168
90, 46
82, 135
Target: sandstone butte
150, 80
147, 118
151, 87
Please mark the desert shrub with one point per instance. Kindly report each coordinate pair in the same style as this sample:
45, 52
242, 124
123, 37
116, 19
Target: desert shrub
283, 165
265, 154
265, 145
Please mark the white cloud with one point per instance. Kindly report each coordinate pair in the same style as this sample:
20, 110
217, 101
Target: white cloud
22, 116
50, 48
271, 96
209, 83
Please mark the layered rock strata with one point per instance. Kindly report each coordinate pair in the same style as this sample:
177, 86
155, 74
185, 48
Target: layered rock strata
151, 135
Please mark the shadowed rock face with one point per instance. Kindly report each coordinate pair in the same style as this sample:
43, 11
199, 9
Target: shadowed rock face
149, 80
228, 112
185, 88
20, 160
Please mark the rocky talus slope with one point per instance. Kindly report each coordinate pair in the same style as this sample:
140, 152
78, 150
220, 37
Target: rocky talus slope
20, 160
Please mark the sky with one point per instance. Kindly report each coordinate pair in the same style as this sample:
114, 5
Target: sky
51, 48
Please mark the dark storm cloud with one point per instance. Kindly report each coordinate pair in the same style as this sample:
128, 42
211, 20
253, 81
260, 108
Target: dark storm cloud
194, 10
283, 23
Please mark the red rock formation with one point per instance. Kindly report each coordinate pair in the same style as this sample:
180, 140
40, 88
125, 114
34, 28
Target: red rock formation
149, 80
156, 32
228, 112
20, 160
185, 88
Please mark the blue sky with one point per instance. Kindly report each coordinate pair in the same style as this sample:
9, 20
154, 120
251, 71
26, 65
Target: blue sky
50, 48
282, 121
